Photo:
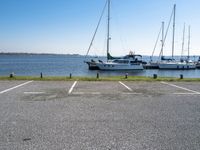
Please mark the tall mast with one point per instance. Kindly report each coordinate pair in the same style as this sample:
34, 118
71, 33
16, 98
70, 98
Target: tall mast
108, 34
183, 42
173, 30
163, 28
188, 42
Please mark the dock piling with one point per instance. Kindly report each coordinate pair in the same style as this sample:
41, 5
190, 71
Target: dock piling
155, 76
181, 76
12, 75
126, 76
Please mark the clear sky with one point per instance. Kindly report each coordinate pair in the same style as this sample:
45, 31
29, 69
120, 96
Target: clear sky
67, 26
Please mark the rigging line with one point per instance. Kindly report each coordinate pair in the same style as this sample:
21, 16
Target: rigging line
188, 42
103, 52
96, 29
119, 30
167, 31
156, 42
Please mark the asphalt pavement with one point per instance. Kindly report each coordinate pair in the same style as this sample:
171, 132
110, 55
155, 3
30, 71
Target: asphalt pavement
49, 115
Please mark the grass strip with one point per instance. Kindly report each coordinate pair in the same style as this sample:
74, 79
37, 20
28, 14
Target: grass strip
110, 78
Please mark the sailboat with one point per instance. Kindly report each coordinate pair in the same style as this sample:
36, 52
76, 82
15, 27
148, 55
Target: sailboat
128, 62
198, 63
154, 64
171, 63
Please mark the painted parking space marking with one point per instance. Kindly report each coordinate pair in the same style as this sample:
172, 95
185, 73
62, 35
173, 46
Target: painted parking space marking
98, 93
72, 87
34, 93
186, 93
186, 89
126, 86
10, 89
131, 93
86, 93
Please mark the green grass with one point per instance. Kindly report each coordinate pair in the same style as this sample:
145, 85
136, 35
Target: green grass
110, 78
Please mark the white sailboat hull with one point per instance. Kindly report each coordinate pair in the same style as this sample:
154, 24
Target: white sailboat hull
177, 66
115, 66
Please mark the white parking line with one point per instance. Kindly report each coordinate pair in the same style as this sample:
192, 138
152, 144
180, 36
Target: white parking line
86, 93
71, 89
126, 86
34, 93
131, 93
7, 90
193, 92
186, 93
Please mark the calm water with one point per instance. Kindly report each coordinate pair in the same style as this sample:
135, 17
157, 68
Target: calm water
63, 65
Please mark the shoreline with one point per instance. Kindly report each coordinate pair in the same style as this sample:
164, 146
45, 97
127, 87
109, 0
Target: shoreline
110, 78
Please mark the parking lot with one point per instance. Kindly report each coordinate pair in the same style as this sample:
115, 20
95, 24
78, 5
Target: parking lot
99, 115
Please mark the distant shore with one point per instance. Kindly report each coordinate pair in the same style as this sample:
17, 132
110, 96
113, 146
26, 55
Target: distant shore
78, 55
21, 53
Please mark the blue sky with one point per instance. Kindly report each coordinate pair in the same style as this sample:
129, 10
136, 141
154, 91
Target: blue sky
67, 26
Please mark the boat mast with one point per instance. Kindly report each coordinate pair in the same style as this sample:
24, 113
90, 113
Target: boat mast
156, 44
173, 30
108, 34
163, 27
183, 42
91, 43
188, 42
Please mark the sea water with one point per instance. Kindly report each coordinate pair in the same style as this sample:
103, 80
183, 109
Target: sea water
63, 65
